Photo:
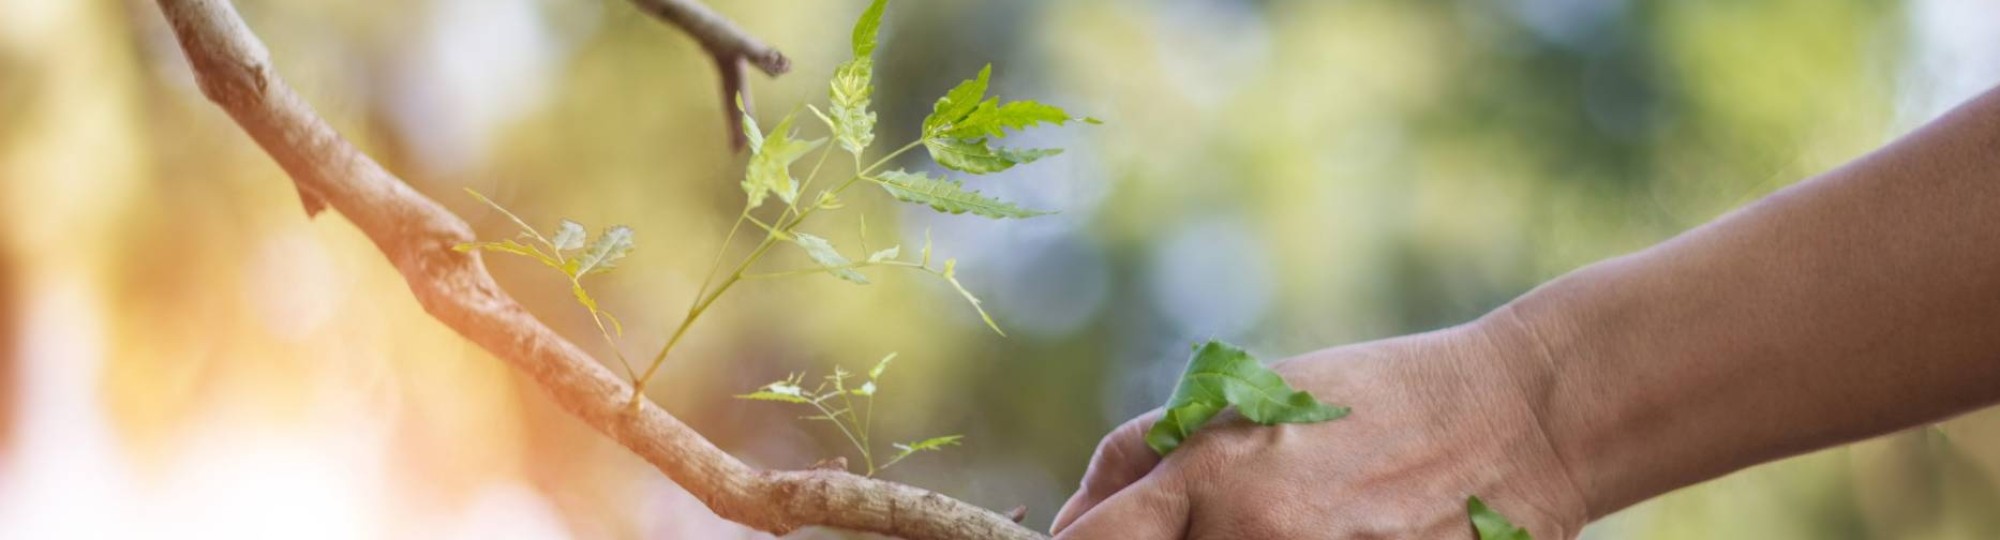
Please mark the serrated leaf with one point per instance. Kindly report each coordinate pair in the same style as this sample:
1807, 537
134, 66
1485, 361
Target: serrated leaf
992, 119
569, 235
866, 28
1490, 525
852, 123
880, 366
962, 126
603, 254
822, 252
771, 158
957, 103
886, 255
948, 196
1220, 375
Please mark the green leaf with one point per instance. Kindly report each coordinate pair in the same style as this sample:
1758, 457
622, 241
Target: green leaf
962, 125
771, 160
977, 156
993, 119
880, 366
853, 124
866, 27
603, 254
1220, 375
822, 252
931, 444
1490, 525
947, 196
569, 235
957, 103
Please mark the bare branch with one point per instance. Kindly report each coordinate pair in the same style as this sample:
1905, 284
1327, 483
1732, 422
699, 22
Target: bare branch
416, 234
729, 45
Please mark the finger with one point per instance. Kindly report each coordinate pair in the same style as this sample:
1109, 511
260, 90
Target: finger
1121, 459
1152, 508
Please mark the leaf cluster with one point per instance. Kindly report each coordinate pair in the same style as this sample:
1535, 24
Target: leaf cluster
571, 251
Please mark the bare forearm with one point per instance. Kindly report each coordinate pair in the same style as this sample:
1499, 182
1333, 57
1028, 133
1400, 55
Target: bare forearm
1860, 302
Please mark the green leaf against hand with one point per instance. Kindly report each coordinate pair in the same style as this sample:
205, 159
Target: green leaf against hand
603, 254
1490, 525
822, 252
947, 196
1220, 375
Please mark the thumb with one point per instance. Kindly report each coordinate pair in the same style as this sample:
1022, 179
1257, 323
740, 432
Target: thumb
1153, 508
1121, 459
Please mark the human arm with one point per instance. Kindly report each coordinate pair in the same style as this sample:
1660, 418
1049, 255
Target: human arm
1856, 303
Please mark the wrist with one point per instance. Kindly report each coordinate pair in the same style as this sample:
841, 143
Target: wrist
1512, 361
1627, 423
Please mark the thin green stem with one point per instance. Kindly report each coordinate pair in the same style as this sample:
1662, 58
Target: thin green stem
844, 431
768, 229
818, 269
702, 303
868, 422
613, 343
847, 398
709, 278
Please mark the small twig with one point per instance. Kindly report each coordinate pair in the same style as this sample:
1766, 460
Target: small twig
729, 46
416, 235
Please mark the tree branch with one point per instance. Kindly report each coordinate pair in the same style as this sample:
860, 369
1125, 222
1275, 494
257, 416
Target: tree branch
417, 234
729, 45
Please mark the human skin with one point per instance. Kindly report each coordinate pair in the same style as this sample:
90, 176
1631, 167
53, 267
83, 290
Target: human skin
1859, 302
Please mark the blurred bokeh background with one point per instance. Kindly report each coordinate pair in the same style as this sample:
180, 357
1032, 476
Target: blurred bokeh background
188, 356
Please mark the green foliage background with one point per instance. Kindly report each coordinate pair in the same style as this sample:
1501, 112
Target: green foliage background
1284, 174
